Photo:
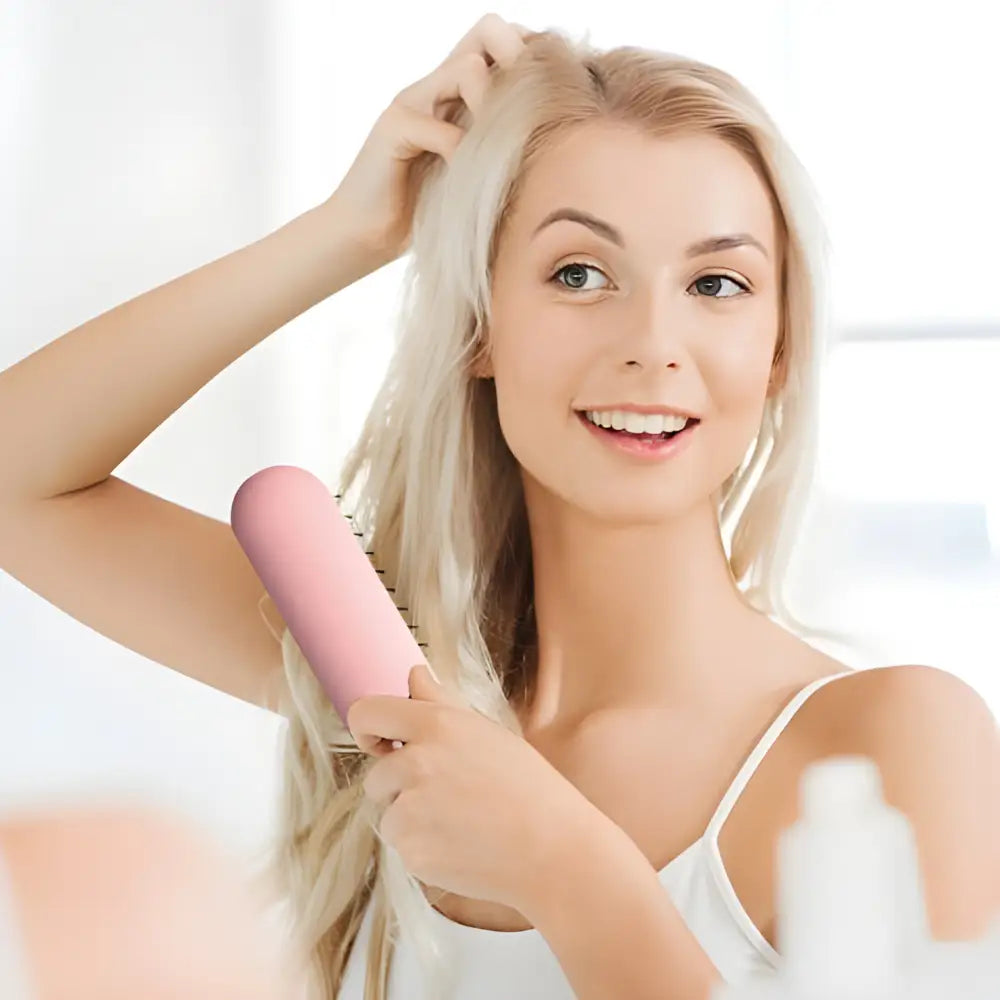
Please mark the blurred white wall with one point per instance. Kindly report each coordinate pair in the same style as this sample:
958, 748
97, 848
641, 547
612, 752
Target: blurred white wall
142, 141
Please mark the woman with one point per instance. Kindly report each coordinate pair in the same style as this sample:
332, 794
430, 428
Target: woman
607, 248
571, 582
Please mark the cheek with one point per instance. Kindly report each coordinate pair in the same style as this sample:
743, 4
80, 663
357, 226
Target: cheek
737, 379
524, 403
736, 385
534, 372
534, 390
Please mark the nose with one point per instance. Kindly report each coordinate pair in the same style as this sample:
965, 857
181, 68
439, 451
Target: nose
654, 331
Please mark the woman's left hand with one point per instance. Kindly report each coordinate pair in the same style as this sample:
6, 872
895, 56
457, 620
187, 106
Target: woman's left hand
473, 808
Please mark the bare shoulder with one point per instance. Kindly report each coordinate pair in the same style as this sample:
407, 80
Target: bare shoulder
884, 707
936, 744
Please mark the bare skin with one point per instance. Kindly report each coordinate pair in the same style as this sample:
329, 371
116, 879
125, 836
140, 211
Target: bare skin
645, 643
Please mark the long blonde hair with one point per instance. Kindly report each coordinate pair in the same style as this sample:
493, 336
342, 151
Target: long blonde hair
434, 492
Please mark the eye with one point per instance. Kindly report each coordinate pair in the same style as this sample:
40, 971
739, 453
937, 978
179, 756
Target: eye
723, 277
576, 267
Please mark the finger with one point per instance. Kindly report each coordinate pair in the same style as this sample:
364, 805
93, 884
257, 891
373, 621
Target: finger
465, 73
424, 131
425, 687
360, 727
491, 35
377, 746
465, 76
379, 718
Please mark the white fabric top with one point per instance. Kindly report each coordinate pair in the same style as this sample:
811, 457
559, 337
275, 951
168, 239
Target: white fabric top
499, 965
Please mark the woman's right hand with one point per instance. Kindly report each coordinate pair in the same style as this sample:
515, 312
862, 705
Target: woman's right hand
380, 189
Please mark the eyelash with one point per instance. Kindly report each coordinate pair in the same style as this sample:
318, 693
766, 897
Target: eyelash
593, 267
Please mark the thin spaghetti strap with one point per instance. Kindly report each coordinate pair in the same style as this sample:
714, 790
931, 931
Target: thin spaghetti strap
764, 744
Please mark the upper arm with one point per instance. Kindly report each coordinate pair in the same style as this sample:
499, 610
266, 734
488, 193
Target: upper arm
167, 582
937, 746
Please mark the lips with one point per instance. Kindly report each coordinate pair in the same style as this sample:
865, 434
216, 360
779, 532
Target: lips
647, 448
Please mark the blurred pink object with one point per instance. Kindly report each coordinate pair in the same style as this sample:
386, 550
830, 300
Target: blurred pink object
117, 901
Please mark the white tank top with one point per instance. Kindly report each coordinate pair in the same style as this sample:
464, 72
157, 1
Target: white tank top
498, 965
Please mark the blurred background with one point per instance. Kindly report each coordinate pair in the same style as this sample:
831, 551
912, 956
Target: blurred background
144, 140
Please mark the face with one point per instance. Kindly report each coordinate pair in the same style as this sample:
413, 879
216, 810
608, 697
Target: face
641, 323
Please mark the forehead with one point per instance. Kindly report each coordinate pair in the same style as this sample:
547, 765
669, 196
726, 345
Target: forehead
676, 189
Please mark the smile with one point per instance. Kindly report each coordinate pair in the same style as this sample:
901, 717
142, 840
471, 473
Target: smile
647, 446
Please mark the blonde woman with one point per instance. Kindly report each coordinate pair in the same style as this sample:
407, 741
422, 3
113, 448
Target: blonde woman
607, 248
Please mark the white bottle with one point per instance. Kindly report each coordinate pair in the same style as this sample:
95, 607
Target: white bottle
850, 920
850, 895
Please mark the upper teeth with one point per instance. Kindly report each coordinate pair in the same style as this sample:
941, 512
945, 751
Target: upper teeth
636, 423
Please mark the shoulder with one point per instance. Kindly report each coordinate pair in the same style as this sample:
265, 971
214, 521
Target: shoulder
936, 744
909, 694
914, 713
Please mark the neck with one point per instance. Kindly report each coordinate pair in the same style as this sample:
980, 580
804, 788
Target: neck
634, 614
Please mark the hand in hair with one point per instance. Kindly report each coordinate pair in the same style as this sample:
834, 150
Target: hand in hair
382, 185
472, 808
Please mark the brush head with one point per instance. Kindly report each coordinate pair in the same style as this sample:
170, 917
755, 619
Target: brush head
332, 598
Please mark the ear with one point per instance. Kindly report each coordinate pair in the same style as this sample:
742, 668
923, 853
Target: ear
483, 368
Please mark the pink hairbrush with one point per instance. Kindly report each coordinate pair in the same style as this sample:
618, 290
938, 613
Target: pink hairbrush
307, 555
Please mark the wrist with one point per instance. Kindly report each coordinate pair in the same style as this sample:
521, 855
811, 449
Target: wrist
347, 228
327, 249
569, 850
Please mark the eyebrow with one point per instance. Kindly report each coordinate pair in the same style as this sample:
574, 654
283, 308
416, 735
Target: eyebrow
706, 246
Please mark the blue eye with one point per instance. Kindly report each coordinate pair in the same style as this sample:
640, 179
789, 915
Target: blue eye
721, 277
579, 266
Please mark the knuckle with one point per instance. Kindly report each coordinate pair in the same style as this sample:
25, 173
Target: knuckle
475, 60
398, 116
468, 62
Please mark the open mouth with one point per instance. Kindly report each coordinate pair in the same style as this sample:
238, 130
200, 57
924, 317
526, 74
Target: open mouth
691, 423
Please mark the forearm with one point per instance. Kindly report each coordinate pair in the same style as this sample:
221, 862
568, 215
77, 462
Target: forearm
75, 409
612, 925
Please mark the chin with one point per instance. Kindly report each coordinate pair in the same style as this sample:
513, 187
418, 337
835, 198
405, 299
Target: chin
633, 508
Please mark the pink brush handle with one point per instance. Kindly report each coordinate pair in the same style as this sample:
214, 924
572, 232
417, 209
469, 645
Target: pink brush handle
331, 597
